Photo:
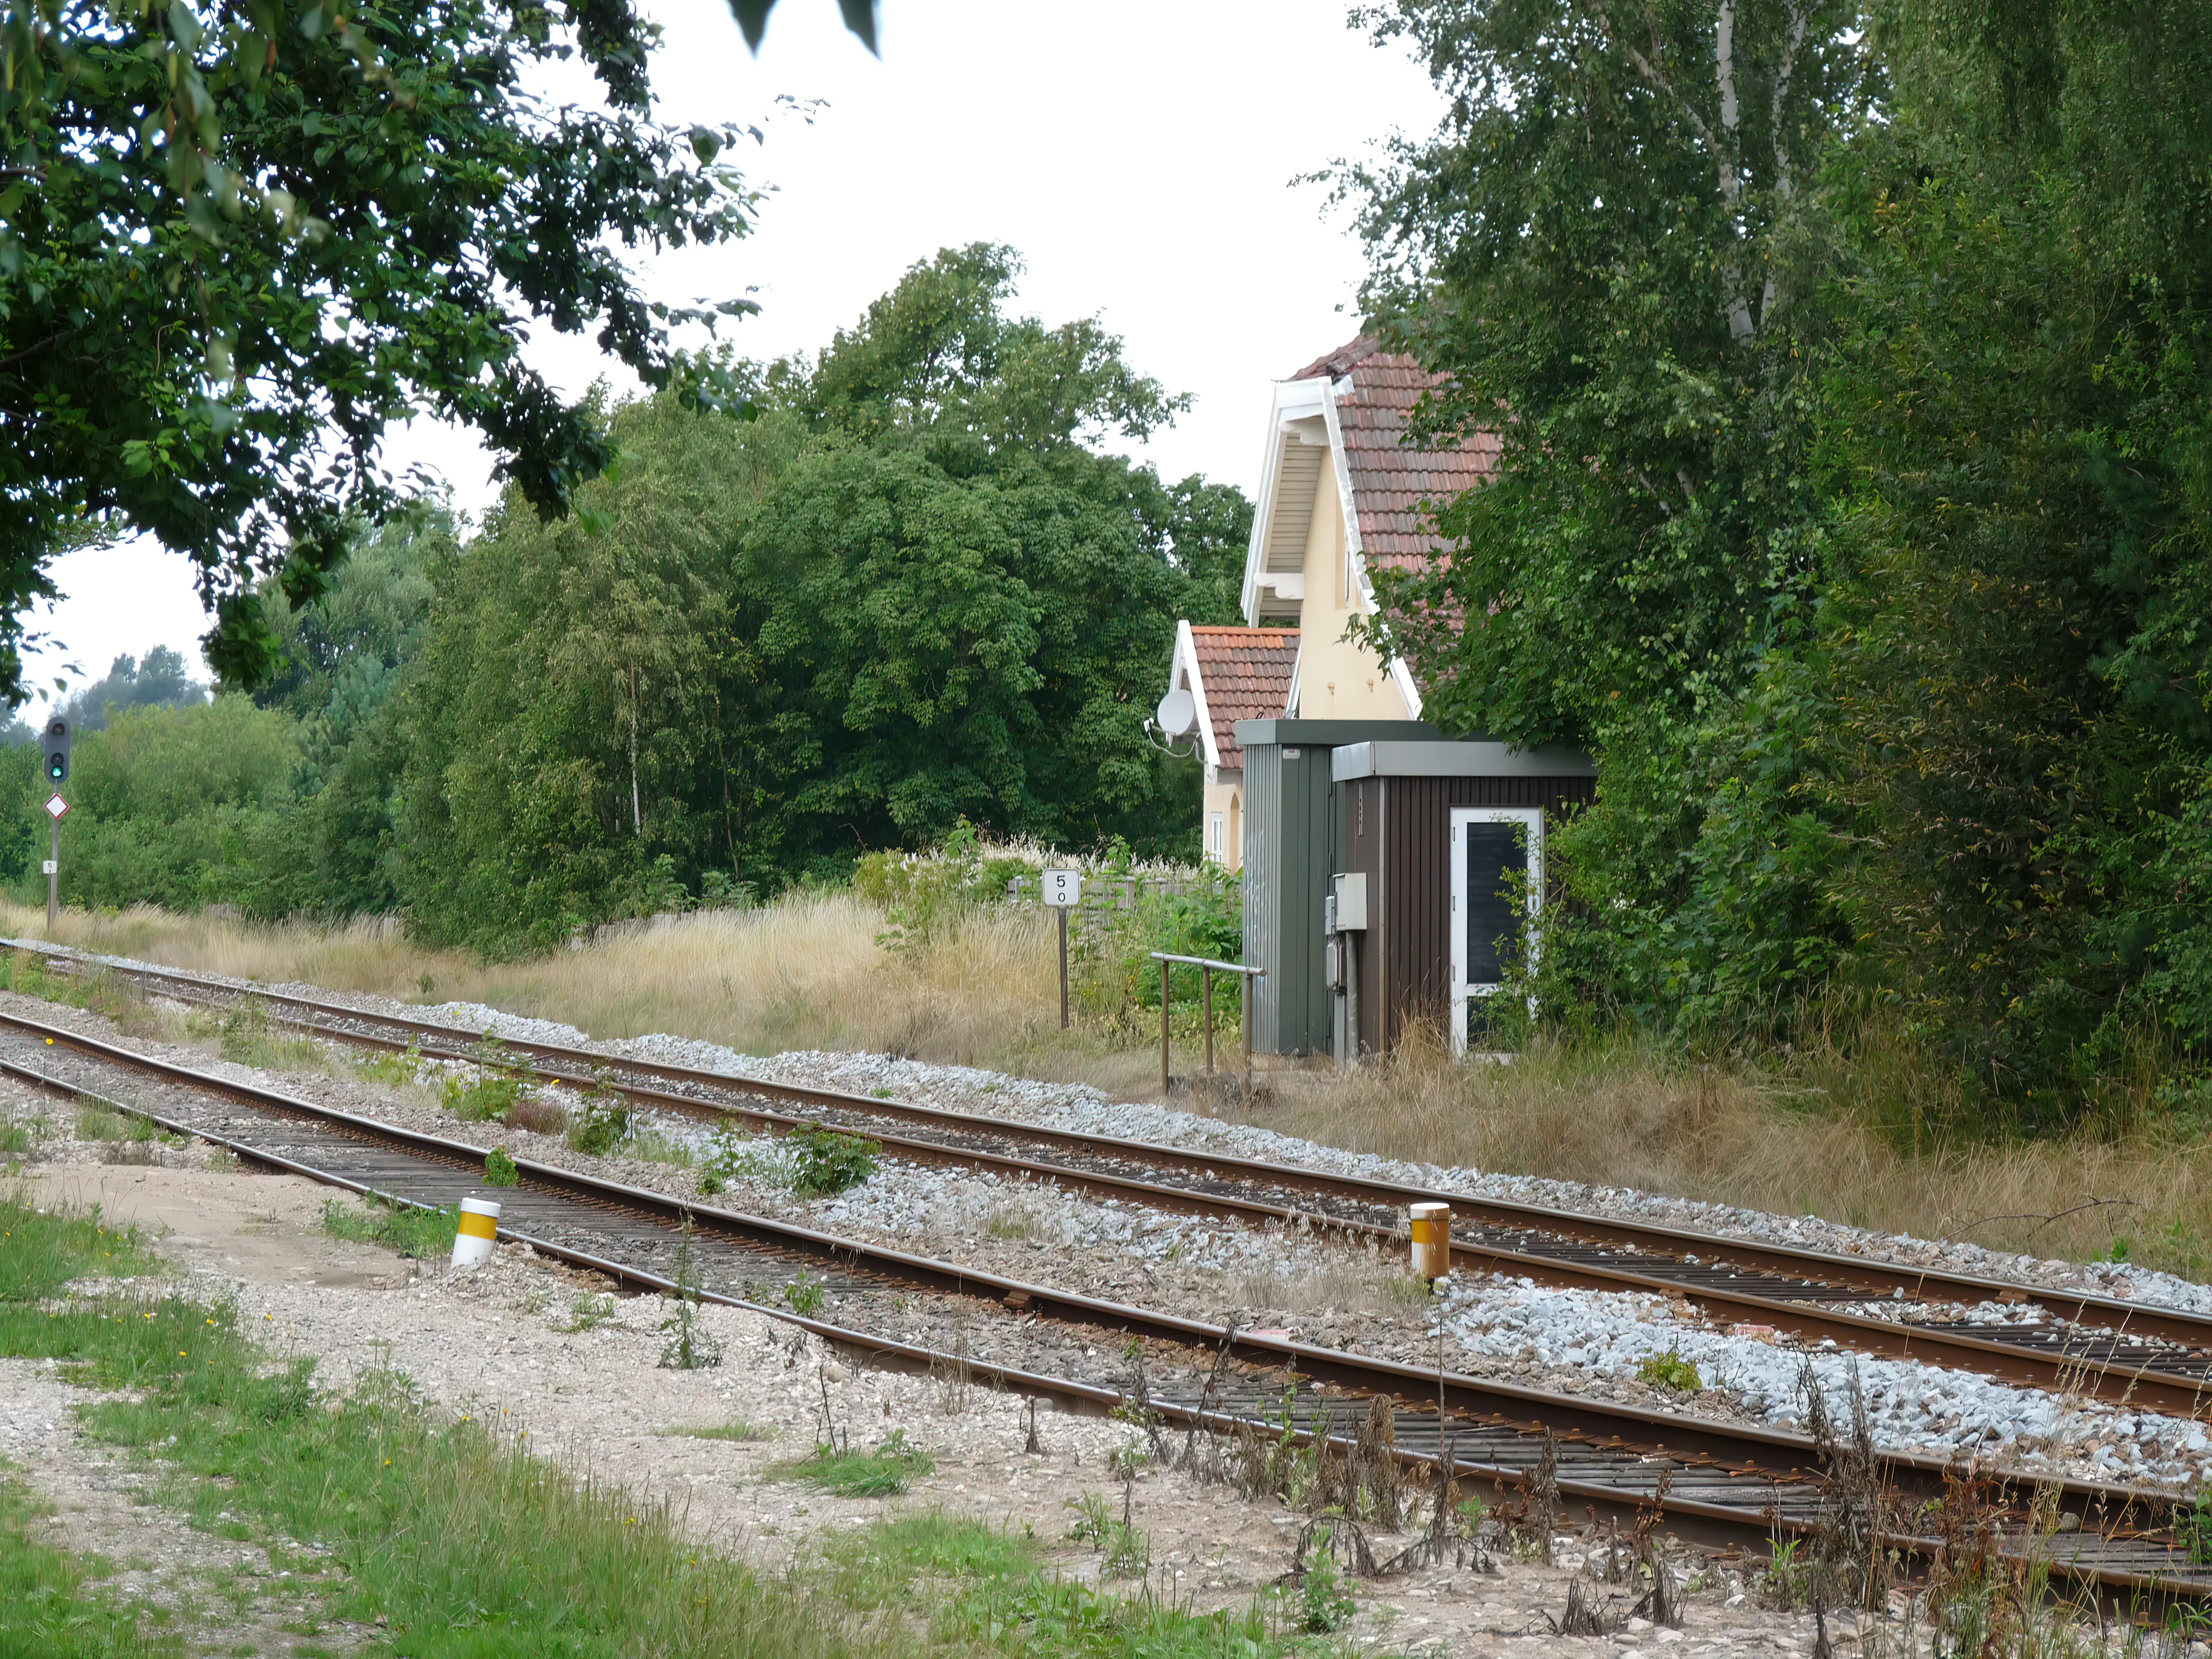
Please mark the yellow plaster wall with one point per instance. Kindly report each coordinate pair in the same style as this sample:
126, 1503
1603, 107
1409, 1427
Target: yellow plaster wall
1226, 797
1337, 680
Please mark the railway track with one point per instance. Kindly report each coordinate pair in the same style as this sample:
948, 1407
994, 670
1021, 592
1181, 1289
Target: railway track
1717, 1481
2150, 1358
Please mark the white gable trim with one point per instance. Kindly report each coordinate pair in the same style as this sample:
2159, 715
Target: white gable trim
1299, 400
1292, 400
1185, 672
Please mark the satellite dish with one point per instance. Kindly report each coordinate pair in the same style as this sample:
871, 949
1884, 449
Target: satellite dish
1178, 712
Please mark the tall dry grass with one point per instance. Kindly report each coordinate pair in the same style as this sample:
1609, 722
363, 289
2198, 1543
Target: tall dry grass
1823, 1136
1825, 1133
808, 971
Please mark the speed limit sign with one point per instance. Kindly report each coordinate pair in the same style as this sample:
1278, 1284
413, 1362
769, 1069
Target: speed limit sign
1062, 889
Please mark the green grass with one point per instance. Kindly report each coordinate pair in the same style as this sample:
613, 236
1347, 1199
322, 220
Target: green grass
739, 1430
95, 1123
463, 1545
884, 1472
997, 1592
46, 1605
425, 1234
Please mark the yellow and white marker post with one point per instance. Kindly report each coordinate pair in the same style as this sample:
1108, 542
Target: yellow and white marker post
479, 1231
1431, 1241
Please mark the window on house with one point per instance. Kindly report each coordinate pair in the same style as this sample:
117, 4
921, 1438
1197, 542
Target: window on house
1215, 834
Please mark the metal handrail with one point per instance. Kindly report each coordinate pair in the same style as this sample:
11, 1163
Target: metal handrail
1208, 961
1207, 968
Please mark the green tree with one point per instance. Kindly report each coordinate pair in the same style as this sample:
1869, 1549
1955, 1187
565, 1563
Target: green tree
910, 592
1610, 250
345, 655
582, 708
162, 681
185, 806
2018, 438
331, 221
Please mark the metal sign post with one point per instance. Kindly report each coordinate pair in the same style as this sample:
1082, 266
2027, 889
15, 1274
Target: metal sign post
54, 743
1062, 890
55, 807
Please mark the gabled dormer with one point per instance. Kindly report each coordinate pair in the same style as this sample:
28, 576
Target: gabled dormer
1339, 497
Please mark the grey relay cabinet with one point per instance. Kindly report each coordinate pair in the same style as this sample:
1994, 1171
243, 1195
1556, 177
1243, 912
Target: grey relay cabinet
1291, 846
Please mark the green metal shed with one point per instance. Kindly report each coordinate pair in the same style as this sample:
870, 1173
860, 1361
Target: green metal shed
1292, 843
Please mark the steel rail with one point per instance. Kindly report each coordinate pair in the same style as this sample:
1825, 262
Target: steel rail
1766, 1464
2009, 1354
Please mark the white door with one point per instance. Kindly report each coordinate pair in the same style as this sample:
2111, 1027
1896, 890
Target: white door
1492, 847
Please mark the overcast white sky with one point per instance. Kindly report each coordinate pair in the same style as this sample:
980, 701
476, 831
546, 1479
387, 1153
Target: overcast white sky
1139, 156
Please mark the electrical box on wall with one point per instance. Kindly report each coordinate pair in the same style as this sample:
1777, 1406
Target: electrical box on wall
1351, 895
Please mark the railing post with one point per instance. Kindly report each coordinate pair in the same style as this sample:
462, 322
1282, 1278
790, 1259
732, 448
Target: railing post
1206, 983
1164, 1028
1245, 1018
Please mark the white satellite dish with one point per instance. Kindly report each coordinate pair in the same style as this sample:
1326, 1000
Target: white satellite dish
1178, 712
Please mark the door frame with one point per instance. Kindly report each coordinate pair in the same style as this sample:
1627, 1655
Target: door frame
1531, 818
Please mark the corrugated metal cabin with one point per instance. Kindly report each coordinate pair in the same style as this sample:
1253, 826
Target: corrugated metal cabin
1290, 852
1436, 834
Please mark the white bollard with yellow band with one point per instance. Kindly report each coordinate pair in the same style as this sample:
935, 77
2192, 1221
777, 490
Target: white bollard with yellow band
479, 1231
1431, 1241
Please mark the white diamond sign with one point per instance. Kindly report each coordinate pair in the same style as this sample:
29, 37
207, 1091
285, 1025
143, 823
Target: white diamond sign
55, 806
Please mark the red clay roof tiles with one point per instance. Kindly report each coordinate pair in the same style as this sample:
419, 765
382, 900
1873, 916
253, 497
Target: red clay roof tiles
1390, 480
1246, 675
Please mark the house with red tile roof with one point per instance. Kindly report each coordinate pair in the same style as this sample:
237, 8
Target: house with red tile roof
1232, 674
1340, 497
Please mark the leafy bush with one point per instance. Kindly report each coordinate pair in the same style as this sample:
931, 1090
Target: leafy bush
821, 1163
601, 1122
923, 893
501, 1084
499, 1168
1323, 1606
1117, 979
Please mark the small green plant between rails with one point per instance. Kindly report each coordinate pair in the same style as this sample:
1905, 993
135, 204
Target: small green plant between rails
448, 1529
1670, 1370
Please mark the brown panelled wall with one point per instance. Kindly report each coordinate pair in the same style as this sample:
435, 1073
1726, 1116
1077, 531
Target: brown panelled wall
1398, 830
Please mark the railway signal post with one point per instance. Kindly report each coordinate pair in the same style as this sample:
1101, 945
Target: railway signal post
56, 747
1062, 889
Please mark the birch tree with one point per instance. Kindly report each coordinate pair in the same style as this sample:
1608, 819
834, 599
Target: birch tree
1603, 246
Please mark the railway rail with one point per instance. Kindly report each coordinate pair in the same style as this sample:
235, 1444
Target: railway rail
2151, 1358
1717, 1481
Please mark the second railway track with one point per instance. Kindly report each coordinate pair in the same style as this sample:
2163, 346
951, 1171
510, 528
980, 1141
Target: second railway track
2151, 1357
1723, 1480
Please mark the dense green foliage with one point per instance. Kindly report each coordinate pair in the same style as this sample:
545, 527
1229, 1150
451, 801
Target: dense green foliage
231, 254
908, 598
1853, 505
